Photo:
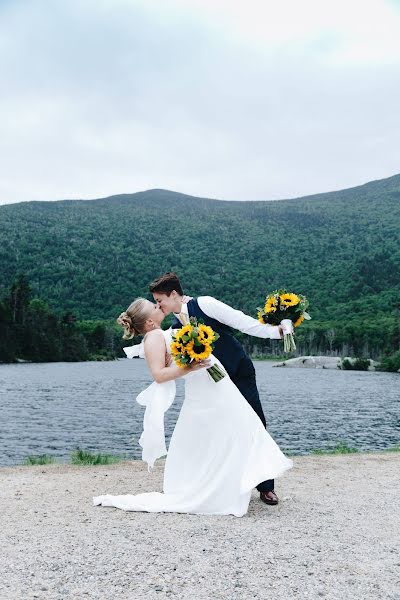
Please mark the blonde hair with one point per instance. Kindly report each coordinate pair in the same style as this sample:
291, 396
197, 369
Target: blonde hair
135, 317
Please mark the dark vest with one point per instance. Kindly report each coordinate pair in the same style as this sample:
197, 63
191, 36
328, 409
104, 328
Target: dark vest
227, 348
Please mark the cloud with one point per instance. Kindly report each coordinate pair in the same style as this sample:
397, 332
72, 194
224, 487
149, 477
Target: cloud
355, 31
223, 99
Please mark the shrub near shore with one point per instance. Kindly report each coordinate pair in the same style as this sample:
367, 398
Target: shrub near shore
85, 457
391, 363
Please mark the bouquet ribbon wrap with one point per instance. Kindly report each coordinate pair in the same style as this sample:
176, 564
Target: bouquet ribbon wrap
288, 340
287, 326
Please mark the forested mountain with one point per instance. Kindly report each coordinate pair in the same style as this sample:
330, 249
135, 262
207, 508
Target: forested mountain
341, 249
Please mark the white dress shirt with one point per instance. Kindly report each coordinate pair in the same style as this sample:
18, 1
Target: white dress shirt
233, 318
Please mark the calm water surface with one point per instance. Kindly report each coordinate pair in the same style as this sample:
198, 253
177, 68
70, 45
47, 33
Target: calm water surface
53, 408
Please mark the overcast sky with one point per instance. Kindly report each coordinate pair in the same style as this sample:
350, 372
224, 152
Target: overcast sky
251, 99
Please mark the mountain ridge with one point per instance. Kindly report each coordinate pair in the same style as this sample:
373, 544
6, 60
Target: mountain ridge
369, 187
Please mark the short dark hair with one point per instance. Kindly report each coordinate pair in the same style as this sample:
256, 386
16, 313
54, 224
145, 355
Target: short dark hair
166, 284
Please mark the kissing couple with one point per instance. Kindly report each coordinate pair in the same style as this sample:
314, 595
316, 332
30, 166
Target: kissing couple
219, 450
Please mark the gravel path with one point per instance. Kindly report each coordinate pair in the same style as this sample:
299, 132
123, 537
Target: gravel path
333, 536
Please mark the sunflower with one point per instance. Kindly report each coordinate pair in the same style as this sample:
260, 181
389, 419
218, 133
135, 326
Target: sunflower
180, 364
260, 317
271, 304
289, 299
206, 334
186, 329
198, 352
299, 321
270, 309
176, 348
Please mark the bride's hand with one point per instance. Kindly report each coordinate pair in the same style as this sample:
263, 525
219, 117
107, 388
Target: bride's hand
201, 364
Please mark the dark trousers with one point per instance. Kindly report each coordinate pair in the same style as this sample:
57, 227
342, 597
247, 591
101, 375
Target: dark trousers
245, 381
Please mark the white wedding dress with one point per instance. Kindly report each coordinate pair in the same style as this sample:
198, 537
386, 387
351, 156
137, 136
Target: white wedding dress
219, 450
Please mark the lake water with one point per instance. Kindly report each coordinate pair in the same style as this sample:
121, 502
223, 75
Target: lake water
53, 408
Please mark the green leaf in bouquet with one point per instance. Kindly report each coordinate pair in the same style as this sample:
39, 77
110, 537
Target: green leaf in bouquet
185, 339
216, 336
195, 322
306, 316
304, 304
197, 342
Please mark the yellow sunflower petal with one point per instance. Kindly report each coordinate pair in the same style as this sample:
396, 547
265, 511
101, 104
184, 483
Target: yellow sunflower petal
299, 321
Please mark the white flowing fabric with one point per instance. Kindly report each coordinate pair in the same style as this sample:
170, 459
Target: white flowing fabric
136, 351
157, 399
218, 453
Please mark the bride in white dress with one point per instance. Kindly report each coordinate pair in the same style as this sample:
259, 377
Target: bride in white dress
219, 450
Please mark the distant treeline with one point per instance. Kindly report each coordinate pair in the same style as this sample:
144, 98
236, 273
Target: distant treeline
30, 330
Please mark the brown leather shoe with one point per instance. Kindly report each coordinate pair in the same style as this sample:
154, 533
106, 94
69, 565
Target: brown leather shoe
269, 498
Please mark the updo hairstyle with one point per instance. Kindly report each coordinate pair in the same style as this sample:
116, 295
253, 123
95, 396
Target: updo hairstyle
135, 317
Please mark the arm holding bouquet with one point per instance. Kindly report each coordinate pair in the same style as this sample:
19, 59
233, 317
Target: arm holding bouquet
237, 319
154, 348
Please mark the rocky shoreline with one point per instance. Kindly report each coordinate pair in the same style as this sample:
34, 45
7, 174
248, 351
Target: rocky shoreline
321, 362
332, 536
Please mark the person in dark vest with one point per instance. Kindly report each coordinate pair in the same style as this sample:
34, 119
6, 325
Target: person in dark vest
168, 293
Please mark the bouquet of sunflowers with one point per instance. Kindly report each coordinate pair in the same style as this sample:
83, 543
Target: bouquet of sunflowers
195, 342
281, 305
